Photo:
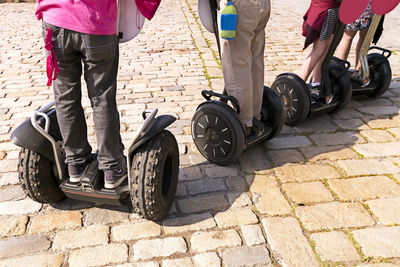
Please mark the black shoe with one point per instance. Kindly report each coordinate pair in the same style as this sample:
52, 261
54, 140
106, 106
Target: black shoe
257, 129
113, 178
75, 172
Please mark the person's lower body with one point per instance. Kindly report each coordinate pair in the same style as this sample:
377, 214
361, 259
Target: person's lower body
99, 54
243, 61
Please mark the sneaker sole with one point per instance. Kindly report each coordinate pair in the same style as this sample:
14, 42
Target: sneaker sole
114, 185
75, 179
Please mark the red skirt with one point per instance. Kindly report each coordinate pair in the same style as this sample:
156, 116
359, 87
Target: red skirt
314, 19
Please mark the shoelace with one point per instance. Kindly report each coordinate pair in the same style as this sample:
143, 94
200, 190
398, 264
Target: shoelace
51, 64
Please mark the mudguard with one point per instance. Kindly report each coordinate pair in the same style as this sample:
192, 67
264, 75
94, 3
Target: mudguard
160, 123
26, 136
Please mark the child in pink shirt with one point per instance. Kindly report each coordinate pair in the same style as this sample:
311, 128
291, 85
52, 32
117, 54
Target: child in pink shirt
85, 32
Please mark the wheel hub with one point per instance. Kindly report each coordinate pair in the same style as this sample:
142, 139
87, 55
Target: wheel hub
212, 135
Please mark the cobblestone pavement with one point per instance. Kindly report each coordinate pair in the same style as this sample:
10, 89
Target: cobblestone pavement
324, 193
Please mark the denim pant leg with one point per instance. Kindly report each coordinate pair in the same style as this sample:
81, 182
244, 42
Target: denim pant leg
100, 58
67, 94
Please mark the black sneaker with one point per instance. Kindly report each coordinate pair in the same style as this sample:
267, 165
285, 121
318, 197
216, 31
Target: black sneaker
75, 172
113, 178
257, 129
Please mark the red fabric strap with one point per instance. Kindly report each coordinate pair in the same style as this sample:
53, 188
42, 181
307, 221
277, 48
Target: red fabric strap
51, 63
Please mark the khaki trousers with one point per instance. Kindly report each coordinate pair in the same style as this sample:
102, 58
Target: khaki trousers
243, 57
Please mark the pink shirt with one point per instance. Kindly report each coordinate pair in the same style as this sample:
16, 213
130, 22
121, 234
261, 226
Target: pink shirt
86, 16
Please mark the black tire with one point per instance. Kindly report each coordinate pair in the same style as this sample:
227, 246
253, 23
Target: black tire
294, 97
380, 74
154, 176
272, 112
36, 176
342, 88
218, 133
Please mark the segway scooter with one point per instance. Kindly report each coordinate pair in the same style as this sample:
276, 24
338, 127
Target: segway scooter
376, 75
217, 130
335, 90
152, 162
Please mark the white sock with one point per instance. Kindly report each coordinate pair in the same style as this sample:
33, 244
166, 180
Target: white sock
315, 84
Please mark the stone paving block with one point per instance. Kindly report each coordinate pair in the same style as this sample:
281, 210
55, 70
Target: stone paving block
13, 226
334, 246
40, 260
138, 264
352, 124
378, 110
303, 173
220, 171
365, 188
7, 165
377, 265
104, 216
196, 222
201, 203
267, 196
288, 142
339, 138
254, 160
22, 245
55, 221
368, 167
378, 136
281, 157
239, 199
208, 259
206, 186
334, 215
284, 231
307, 192
317, 124
386, 209
347, 114
395, 132
252, 235
183, 262
382, 123
379, 242
378, 150
13, 192
90, 236
235, 217
100, 255
246, 256
205, 241
237, 184
132, 231
315, 153
190, 173
19, 207
147, 249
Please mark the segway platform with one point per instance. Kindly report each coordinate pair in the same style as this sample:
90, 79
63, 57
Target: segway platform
91, 188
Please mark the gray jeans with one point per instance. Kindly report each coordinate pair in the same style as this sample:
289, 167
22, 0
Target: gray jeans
99, 55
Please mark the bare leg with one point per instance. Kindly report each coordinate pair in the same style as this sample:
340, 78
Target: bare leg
343, 49
317, 52
360, 42
317, 74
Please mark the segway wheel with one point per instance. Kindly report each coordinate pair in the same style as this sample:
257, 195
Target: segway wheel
154, 176
294, 96
272, 113
380, 74
342, 89
218, 133
36, 176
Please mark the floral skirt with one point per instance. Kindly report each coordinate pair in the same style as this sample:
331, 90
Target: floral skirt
363, 22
